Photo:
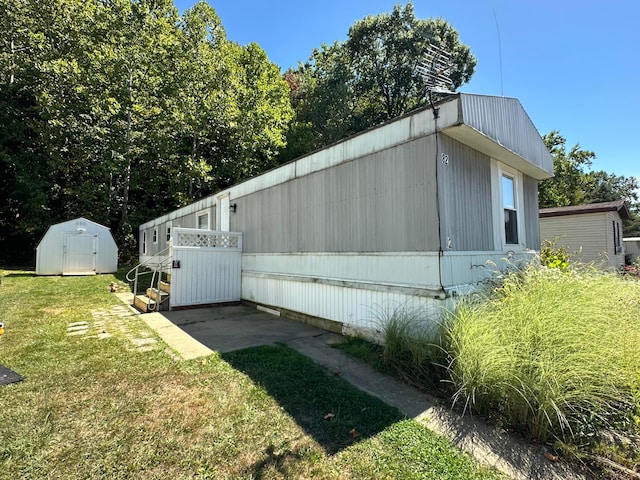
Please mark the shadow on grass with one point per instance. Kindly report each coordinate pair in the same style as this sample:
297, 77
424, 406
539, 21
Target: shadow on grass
21, 274
328, 408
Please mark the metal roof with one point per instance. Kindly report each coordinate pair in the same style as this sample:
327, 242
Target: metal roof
617, 206
500, 128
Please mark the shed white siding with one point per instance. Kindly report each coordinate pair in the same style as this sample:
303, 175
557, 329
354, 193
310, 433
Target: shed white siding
587, 236
76, 247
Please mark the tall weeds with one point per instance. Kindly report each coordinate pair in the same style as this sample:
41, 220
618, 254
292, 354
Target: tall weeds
554, 353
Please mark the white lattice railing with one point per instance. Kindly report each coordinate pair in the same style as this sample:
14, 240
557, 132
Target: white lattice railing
192, 237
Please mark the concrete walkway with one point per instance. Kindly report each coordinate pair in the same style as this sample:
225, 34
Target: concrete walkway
199, 332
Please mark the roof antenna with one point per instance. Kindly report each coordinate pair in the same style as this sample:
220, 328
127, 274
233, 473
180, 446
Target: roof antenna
495, 17
434, 69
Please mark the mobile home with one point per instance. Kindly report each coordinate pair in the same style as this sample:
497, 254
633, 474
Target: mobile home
409, 213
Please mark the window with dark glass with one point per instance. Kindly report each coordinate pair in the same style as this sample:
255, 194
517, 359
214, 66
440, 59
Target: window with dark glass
510, 212
616, 238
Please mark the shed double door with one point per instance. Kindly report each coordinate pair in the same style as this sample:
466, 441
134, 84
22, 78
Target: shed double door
80, 252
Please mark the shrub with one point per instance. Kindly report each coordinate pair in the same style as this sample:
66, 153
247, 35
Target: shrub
553, 256
550, 352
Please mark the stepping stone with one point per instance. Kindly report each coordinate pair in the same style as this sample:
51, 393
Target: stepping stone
78, 327
76, 324
143, 341
79, 332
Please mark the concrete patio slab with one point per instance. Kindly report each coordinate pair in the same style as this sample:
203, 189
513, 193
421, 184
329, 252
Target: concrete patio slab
228, 328
199, 332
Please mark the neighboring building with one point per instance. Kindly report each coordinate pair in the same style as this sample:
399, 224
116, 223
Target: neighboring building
408, 213
631, 249
592, 233
76, 247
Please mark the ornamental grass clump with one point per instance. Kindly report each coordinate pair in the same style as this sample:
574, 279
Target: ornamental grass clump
551, 352
412, 346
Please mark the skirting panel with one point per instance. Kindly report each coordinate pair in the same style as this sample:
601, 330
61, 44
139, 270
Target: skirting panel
359, 310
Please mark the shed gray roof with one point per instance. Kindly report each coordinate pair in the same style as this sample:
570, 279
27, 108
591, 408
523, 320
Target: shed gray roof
617, 206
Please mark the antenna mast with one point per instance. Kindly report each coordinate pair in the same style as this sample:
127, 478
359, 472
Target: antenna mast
434, 69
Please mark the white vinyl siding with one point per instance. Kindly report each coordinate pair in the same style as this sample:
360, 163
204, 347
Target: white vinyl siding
588, 236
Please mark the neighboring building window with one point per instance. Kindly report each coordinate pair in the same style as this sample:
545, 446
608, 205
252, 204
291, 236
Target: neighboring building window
202, 220
168, 230
510, 211
155, 235
617, 243
144, 242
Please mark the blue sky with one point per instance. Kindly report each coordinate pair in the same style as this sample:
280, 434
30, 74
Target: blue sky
573, 64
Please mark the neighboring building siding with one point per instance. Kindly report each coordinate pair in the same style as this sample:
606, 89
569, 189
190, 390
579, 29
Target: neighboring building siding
465, 197
382, 202
632, 248
532, 222
588, 236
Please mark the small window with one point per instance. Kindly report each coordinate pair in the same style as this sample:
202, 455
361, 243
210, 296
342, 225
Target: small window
155, 235
144, 242
168, 233
617, 244
202, 220
510, 211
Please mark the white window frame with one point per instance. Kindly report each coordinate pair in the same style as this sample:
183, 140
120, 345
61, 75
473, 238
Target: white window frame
200, 214
144, 242
499, 170
155, 235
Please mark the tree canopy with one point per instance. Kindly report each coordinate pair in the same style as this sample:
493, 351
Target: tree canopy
575, 184
121, 110
371, 77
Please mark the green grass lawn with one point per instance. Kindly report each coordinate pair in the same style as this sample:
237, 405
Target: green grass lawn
104, 398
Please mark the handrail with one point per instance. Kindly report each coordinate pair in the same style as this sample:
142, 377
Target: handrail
158, 268
147, 262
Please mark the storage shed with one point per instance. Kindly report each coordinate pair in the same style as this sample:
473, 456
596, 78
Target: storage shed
77, 247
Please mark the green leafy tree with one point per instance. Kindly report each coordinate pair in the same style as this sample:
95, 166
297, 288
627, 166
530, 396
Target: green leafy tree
349, 86
608, 187
573, 184
121, 110
570, 183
